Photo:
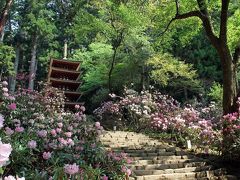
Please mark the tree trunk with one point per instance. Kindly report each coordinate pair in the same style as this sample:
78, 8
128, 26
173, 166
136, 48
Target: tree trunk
4, 15
32, 64
229, 80
13, 78
111, 69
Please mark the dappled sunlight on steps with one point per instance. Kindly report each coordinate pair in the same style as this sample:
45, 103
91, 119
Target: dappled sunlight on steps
155, 160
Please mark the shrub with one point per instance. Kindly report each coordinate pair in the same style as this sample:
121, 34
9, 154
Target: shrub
48, 142
161, 113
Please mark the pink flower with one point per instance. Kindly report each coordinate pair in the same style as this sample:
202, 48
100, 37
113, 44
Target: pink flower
68, 134
8, 131
47, 155
70, 142
60, 125
1, 121
97, 125
71, 168
5, 89
32, 144
104, 177
62, 141
5, 94
19, 129
70, 128
82, 108
42, 133
58, 130
5, 151
129, 161
12, 106
77, 106
79, 148
53, 132
4, 83
12, 98
126, 170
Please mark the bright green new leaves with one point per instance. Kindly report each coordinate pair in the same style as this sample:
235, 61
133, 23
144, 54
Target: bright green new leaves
6, 55
95, 64
234, 30
166, 68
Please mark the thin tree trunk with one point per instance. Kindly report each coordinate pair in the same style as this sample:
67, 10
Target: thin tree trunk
16, 63
111, 69
2, 36
4, 15
1, 73
32, 64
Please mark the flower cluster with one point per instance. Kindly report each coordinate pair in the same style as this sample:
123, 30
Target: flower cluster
49, 138
160, 112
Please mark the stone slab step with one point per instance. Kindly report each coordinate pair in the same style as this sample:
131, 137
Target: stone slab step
174, 161
162, 157
182, 176
147, 154
171, 171
167, 166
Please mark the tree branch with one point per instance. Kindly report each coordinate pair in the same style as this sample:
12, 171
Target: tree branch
4, 14
224, 17
181, 16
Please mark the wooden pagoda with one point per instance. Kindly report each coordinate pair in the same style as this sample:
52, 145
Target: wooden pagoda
65, 75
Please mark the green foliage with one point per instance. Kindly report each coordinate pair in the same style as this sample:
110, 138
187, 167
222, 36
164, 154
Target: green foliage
95, 63
6, 57
166, 68
216, 93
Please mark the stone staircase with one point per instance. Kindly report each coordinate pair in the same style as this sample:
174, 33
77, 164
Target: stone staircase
155, 160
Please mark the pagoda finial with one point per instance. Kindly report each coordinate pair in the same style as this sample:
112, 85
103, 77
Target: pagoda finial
65, 49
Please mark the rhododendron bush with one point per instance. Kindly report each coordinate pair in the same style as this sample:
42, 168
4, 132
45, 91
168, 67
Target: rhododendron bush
161, 113
231, 131
47, 142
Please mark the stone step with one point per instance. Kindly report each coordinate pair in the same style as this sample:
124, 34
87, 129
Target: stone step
147, 154
167, 166
173, 157
167, 161
171, 171
182, 176
129, 151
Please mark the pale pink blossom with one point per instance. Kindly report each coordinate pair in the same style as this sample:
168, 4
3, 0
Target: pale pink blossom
9, 131
82, 108
71, 169
19, 129
70, 142
97, 125
47, 155
4, 83
68, 134
58, 130
1, 121
5, 151
42, 133
53, 132
5, 94
32, 144
60, 125
77, 106
5, 89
